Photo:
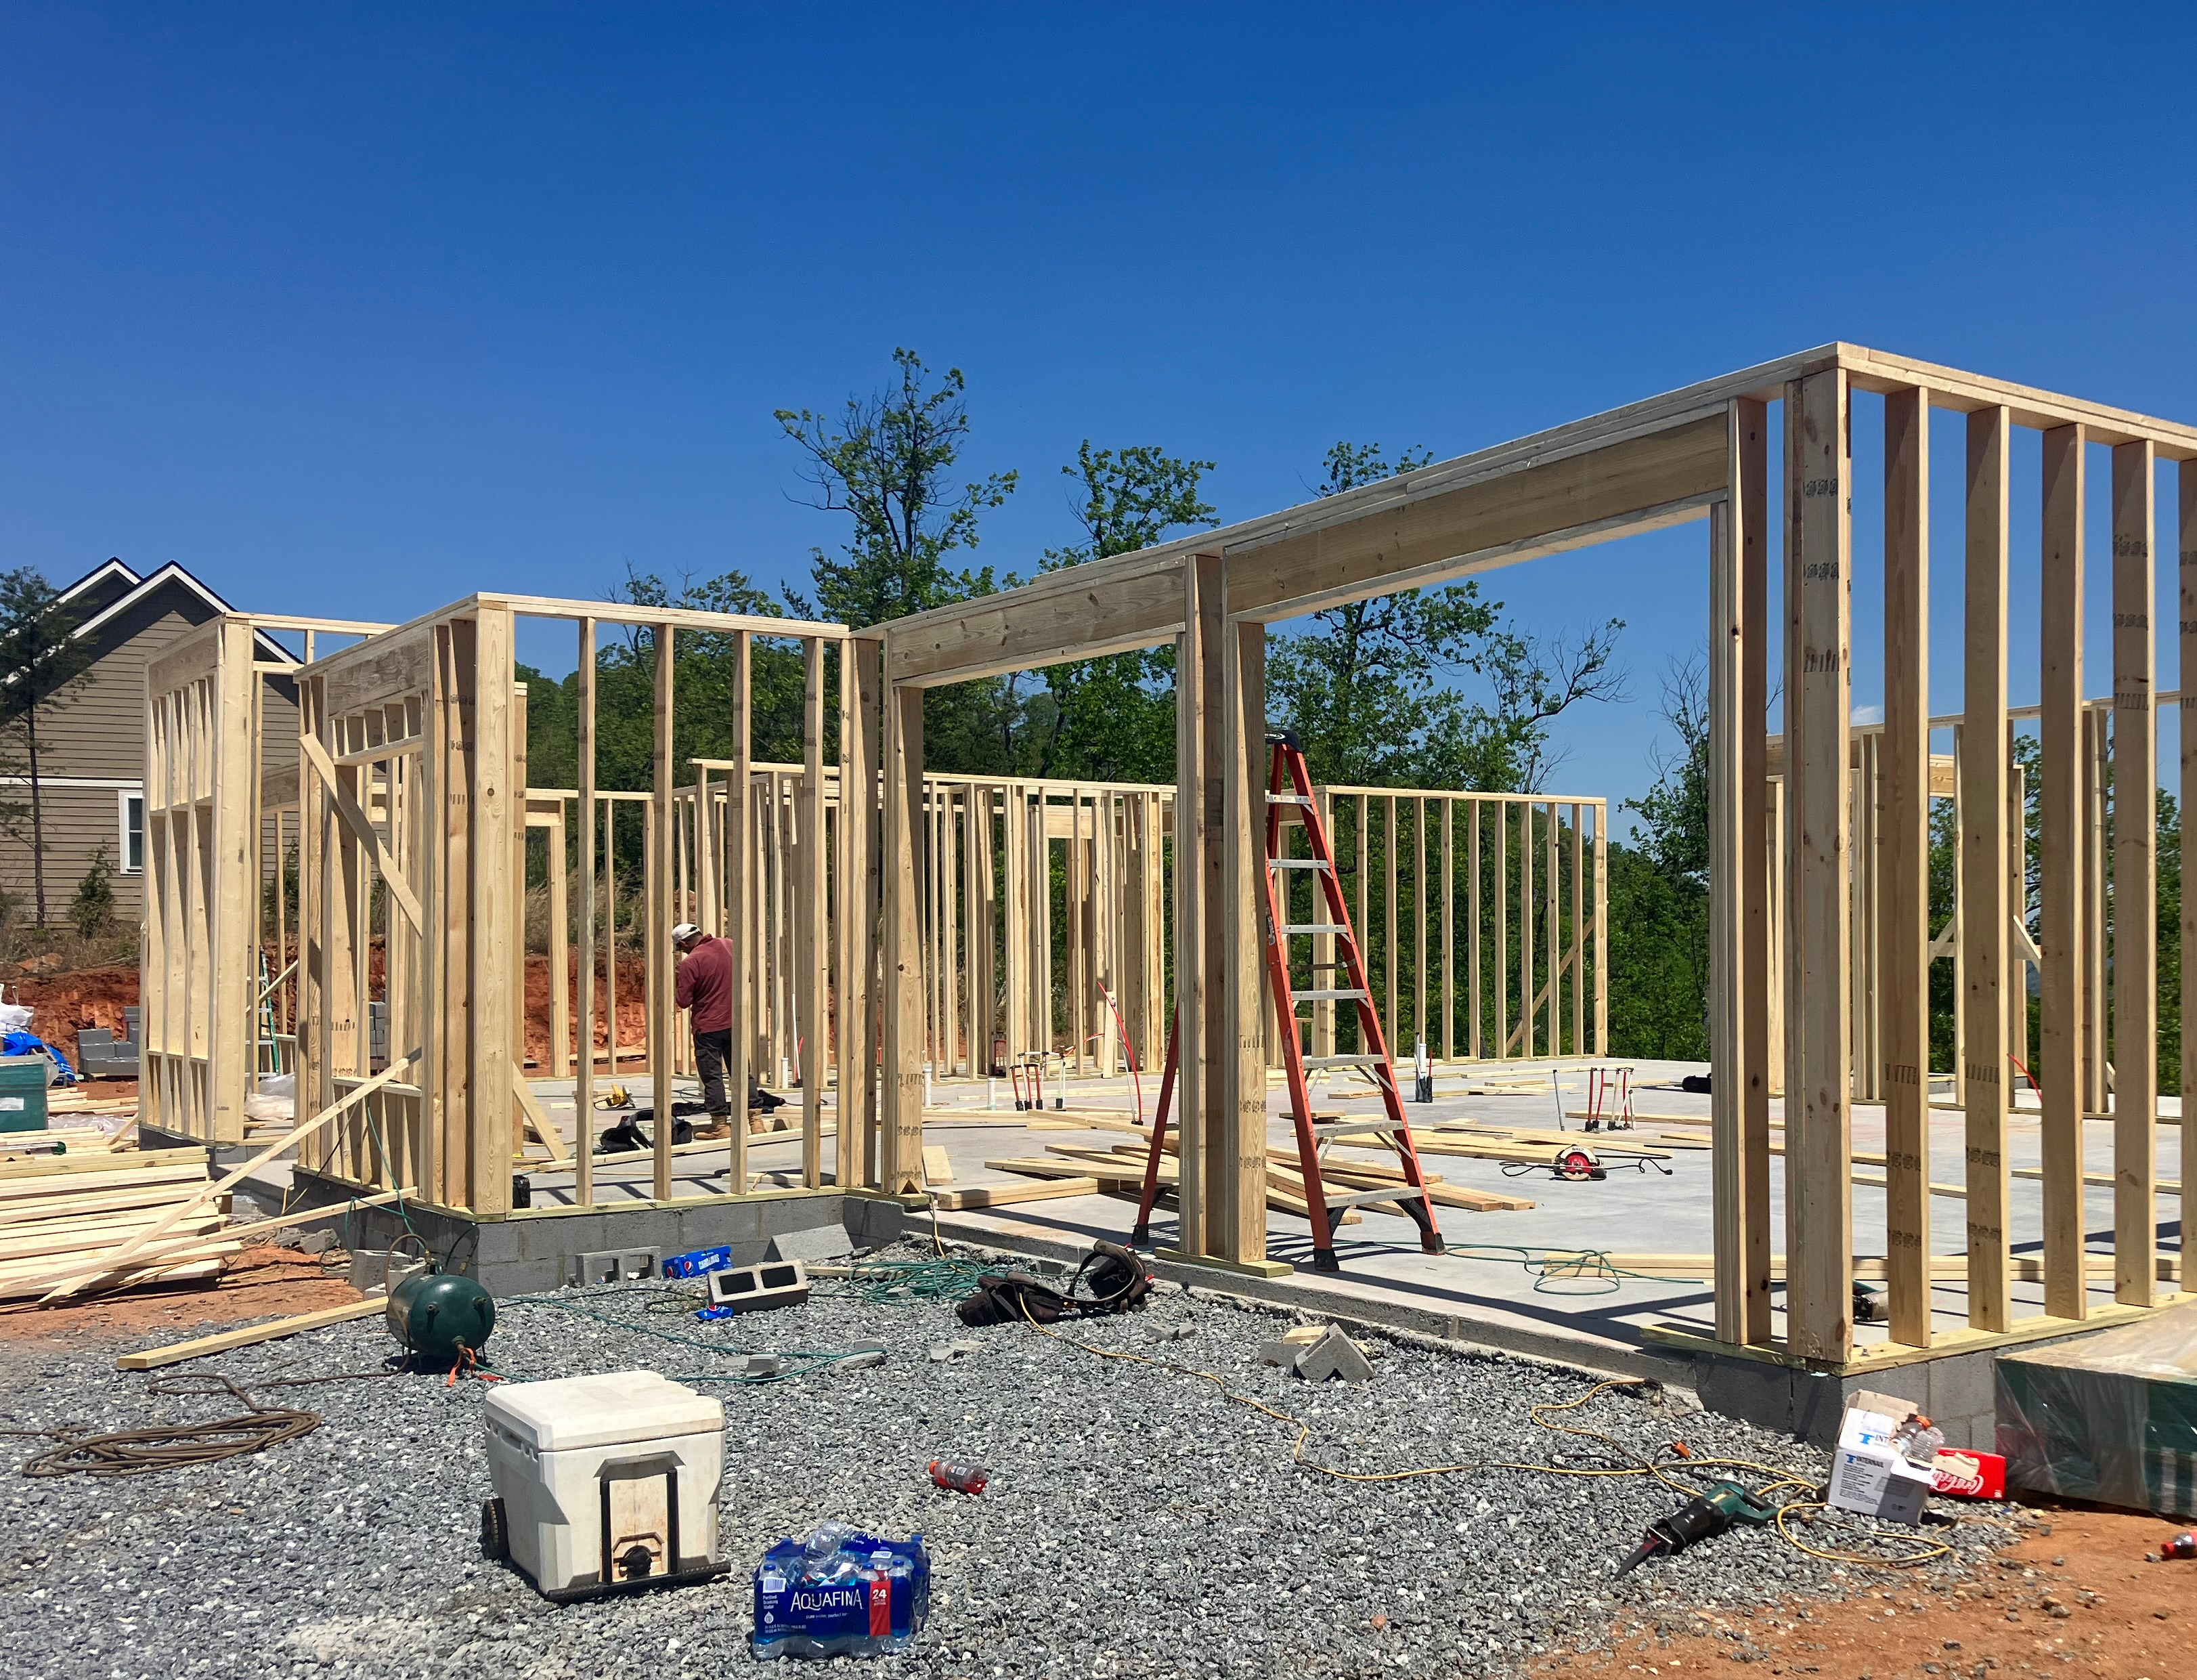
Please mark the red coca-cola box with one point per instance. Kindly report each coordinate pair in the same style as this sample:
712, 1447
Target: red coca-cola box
1969, 1476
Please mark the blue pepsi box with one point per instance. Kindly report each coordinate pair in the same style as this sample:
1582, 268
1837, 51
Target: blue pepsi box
840, 1593
700, 1263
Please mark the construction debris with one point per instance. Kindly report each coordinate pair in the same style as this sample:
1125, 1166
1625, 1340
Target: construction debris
1334, 1355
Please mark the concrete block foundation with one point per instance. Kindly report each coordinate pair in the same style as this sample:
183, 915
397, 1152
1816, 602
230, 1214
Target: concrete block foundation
533, 1249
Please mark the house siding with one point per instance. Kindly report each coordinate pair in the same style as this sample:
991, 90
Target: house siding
97, 731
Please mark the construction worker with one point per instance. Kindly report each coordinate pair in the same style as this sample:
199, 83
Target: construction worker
704, 986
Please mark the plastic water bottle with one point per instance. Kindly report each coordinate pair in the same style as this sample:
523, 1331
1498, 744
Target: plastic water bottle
2183, 1544
960, 1475
821, 1556
1919, 1439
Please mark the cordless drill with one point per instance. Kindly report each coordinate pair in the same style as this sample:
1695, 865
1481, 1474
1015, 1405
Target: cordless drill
1700, 1516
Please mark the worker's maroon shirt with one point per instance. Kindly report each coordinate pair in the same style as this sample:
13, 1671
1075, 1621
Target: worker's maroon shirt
704, 985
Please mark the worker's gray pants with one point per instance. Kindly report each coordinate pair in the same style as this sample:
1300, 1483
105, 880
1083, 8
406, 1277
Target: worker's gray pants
713, 1054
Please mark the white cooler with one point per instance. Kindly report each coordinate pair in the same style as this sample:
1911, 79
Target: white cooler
604, 1484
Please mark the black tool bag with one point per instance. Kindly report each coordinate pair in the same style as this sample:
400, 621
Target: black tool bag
1112, 1279
1007, 1299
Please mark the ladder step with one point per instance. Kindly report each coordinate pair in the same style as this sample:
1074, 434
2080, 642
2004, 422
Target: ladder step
1348, 1128
1359, 1198
1329, 994
1288, 799
1299, 863
1315, 927
1313, 1061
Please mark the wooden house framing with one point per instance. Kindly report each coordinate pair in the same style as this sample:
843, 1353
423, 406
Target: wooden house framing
414, 777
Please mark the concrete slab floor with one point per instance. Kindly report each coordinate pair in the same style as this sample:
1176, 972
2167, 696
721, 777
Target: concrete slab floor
1487, 1277
1484, 1278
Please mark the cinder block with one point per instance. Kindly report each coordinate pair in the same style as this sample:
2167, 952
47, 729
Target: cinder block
522, 1278
755, 1289
584, 1270
1753, 1390
378, 1269
491, 1242
733, 1224
782, 1214
1334, 1355
820, 1243
1960, 1386
1819, 1405
874, 1220
555, 1238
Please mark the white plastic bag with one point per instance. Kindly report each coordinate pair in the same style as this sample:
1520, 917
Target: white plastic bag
14, 1018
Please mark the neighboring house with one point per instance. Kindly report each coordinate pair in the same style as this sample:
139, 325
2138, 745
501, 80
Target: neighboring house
92, 742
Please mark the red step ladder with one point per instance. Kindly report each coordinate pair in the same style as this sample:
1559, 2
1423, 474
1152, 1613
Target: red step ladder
1290, 788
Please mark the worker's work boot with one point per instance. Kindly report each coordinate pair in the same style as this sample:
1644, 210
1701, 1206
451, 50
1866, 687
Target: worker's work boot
719, 1126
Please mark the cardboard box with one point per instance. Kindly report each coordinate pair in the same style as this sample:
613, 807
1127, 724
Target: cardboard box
1871, 1476
1889, 1406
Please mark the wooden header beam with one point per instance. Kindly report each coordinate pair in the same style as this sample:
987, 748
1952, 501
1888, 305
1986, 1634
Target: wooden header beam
1655, 462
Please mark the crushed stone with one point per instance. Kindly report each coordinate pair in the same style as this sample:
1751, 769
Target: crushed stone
1137, 1522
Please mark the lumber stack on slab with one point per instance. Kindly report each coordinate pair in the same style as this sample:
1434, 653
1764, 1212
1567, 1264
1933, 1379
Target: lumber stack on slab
1355, 1174
1007, 1195
60, 1214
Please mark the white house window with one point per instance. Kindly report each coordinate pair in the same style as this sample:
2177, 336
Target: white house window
130, 810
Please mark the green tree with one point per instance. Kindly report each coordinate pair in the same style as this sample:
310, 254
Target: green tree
887, 461
1364, 691
91, 912
40, 655
1372, 692
703, 664
1112, 719
1676, 810
1659, 891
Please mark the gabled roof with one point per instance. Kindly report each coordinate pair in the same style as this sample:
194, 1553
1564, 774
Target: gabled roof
100, 586
114, 589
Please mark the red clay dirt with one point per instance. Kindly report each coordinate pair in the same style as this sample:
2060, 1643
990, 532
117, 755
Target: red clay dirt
2074, 1596
261, 1282
62, 1005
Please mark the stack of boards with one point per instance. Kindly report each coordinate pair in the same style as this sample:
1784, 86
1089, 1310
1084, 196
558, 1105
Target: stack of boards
1076, 1169
58, 1212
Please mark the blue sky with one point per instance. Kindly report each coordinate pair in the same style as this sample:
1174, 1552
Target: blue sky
354, 311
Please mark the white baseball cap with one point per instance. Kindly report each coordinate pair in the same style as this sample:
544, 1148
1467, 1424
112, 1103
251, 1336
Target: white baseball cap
685, 932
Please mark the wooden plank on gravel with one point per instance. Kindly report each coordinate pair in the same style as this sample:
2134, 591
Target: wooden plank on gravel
251, 1336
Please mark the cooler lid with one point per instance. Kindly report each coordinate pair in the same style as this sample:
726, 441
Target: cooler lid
607, 1410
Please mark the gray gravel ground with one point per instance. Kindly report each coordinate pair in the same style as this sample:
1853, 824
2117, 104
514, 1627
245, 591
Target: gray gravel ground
1139, 1523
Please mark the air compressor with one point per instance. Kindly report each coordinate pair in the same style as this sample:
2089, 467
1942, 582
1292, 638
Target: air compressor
440, 1318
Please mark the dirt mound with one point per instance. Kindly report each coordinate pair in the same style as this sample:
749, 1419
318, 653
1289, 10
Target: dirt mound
93, 999
87, 999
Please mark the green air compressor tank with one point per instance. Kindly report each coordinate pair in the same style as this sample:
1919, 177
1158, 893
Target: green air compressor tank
435, 1316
